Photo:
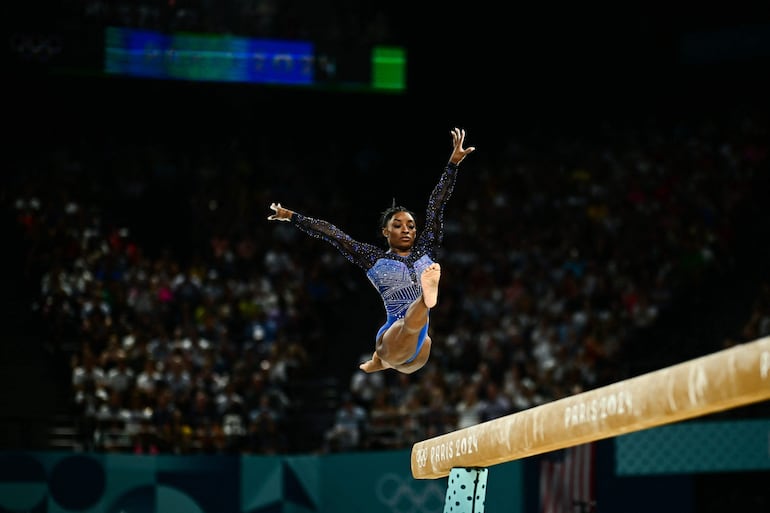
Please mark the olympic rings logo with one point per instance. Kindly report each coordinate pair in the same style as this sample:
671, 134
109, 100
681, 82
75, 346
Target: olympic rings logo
400, 497
35, 47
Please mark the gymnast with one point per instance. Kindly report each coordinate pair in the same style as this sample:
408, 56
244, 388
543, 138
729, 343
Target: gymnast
405, 274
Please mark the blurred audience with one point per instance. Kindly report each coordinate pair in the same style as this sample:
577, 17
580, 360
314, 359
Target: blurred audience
563, 249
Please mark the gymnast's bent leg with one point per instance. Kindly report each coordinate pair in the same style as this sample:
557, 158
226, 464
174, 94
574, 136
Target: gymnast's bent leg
405, 345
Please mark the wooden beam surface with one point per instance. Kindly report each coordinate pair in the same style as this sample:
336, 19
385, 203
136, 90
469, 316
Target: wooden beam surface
727, 379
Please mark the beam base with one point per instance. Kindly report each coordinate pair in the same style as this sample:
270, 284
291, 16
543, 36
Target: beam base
466, 491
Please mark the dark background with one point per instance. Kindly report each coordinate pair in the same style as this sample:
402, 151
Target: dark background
531, 72
497, 71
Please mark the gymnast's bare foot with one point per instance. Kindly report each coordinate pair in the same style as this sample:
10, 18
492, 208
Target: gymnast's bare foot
429, 280
375, 364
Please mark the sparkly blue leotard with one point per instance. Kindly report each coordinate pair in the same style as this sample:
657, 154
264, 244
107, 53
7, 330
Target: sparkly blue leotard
395, 277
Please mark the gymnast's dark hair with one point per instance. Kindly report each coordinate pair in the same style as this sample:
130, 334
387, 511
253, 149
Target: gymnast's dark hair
391, 211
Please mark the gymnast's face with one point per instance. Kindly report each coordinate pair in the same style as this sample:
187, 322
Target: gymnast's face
400, 232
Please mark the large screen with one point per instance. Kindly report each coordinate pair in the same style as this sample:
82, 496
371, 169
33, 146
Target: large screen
223, 58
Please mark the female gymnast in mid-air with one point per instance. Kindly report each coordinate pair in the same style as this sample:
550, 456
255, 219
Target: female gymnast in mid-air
405, 274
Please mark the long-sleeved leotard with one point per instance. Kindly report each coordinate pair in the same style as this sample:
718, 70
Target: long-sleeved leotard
396, 278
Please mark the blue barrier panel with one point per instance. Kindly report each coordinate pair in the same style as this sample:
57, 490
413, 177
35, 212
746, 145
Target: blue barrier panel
377, 482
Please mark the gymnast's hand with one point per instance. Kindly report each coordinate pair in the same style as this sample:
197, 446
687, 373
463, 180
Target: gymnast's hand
281, 214
458, 152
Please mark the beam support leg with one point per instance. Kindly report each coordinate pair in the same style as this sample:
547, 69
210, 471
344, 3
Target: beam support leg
466, 490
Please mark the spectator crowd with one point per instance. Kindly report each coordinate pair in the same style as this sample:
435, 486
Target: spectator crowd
188, 324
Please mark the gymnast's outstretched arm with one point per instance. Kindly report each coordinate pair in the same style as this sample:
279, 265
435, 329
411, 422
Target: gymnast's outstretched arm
360, 253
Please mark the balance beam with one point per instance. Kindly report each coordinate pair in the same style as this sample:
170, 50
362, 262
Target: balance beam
737, 376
